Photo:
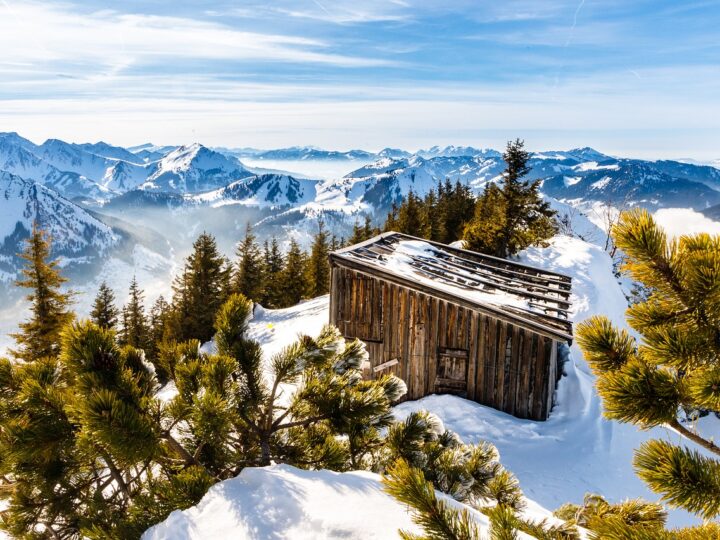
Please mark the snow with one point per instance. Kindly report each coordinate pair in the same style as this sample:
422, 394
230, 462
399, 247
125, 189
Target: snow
280, 501
600, 184
574, 452
400, 262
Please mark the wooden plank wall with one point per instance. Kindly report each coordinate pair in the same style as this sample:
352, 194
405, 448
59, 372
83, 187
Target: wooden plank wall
510, 368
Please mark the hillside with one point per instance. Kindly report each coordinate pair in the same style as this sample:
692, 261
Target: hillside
575, 452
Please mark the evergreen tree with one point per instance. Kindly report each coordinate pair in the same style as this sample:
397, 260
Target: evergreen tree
434, 220
526, 219
201, 290
362, 232
134, 322
159, 331
249, 275
318, 265
456, 208
104, 312
292, 281
88, 451
483, 231
411, 217
39, 336
272, 289
677, 367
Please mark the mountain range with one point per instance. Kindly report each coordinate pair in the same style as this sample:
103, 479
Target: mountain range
82, 192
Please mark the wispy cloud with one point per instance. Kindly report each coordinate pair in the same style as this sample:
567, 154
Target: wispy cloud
325, 71
50, 35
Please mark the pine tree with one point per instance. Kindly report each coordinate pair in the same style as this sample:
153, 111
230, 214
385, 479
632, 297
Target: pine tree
677, 367
482, 232
318, 266
158, 331
88, 451
134, 322
458, 209
272, 288
434, 219
104, 312
362, 232
249, 274
201, 290
39, 336
525, 220
411, 218
292, 281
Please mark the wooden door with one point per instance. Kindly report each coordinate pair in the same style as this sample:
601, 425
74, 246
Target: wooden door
451, 372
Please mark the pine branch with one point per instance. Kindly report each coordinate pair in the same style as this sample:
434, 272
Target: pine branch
116, 475
694, 437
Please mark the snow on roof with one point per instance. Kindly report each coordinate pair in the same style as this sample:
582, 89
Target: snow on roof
532, 297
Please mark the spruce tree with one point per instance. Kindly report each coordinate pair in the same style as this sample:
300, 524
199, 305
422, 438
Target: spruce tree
293, 277
249, 274
318, 266
411, 218
482, 232
677, 365
39, 336
362, 232
525, 218
272, 288
158, 331
201, 290
457, 208
104, 312
134, 322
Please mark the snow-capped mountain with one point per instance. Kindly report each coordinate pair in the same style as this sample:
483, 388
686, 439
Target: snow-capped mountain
295, 153
106, 150
193, 169
149, 152
457, 151
78, 237
18, 156
262, 190
631, 183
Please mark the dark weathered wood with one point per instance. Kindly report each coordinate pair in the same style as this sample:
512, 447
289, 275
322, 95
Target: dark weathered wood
512, 373
452, 371
480, 358
542, 324
433, 344
438, 344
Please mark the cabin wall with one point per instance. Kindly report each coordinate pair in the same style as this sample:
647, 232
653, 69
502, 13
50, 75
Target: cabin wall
436, 346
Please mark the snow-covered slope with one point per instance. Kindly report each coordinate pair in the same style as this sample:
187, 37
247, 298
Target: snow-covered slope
193, 169
262, 190
283, 502
106, 150
77, 236
633, 182
458, 151
576, 450
17, 157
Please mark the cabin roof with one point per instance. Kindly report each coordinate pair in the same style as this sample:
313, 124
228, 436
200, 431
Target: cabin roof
527, 296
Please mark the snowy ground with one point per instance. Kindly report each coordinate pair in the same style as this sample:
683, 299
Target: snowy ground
576, 451
281, 502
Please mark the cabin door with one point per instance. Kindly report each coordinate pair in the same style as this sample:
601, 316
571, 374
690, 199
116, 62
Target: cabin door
451, 372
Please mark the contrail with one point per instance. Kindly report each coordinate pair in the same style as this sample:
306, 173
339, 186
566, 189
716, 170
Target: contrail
574, 24
318, 4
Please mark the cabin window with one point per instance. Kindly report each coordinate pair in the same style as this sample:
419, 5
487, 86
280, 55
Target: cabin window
451, 372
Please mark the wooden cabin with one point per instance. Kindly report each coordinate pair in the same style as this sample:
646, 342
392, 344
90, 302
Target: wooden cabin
449, 320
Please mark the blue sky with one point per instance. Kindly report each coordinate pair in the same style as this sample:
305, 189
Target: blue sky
637, 78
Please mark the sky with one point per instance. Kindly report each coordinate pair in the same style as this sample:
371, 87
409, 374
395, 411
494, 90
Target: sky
637, 78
